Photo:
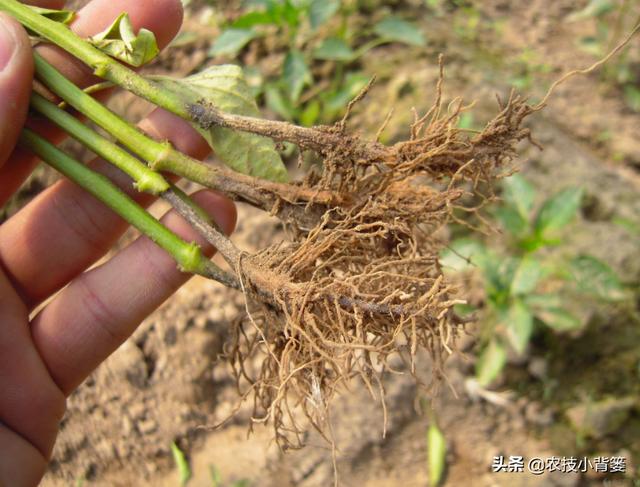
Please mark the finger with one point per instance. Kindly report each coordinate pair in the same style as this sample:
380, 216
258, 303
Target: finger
16, 72
20, 463
64, 229
30, 404
163, 17
92, 316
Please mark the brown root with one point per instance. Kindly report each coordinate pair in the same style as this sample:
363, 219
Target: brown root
360, 282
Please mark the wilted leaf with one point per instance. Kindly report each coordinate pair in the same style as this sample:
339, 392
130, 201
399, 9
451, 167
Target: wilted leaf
295, 74
322, 10
120, 42
225, 88
519, 194
519, 322
437, 452
558, 210
334, 49
558, 319
592, 276
462, 254
398, 30
527, 276
181, 462
62, 16
231, 42
491, 362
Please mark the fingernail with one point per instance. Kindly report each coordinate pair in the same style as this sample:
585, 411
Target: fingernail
7, 42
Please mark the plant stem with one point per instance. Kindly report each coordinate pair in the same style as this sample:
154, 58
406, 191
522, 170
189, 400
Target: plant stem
188, 255
161, 156
103, 65
145, 179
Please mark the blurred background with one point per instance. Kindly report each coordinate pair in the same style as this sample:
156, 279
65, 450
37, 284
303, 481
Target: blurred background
551, 367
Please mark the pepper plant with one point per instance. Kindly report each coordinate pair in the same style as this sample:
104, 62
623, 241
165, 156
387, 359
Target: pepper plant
534, 278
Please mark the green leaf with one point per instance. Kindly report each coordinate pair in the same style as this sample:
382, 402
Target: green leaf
120, 42
295, 74
277, 102
335, 101
559, 319
511, 220
519, 194
491, 362
231, 41
594, 277
321, 11
527, 276
557, 211
397, 30
519, 322
181, 462
543, 301
224, 86
310, 114
462, 254
62, 16
437, 452
632, 97
334, 49
252, 19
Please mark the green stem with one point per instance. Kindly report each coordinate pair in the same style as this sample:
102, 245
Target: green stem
103, 65
160, 156
188, 255
145, 178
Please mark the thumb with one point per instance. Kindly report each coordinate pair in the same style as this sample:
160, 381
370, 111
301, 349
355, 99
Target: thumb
16, 72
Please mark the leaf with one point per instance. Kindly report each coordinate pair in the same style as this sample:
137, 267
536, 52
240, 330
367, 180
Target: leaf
543, 301
334, 49
462, 254
295, 74
251, 19
215, 476
527, 276
511, 220
491, 362
519, 194
224, 86
557, 211
310, 113
62, 16
519, 322
397, 30
559, 319
321, 11
437, 452
632, 97
335, 101
181, 462
120, 42
277, 102
593, 276
231, 41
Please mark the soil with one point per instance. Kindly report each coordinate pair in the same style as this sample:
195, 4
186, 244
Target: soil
165, 384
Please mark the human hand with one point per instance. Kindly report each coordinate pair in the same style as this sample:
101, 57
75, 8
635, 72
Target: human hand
52, 242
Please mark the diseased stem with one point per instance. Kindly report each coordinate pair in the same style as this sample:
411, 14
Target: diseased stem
145, 179
188, 255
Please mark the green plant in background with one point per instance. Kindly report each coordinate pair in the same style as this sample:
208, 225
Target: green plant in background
309, 42
533, 280
184, 471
